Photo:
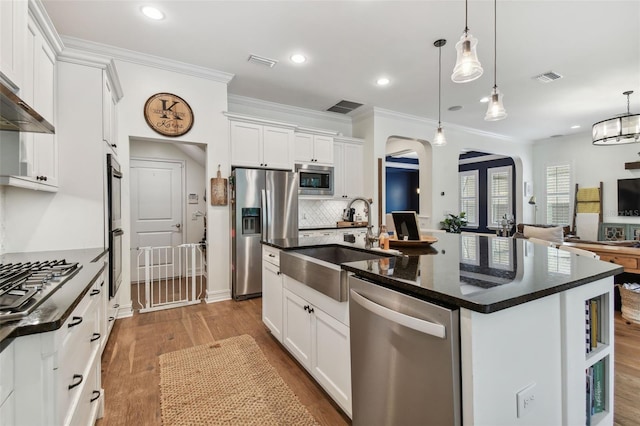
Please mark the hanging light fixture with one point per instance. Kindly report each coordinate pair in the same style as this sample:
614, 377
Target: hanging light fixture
495, 109
439, 139
468, 67
618, 130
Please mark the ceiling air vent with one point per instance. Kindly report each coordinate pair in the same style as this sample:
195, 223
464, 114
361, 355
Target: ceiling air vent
262, 60
548, 77
344, 107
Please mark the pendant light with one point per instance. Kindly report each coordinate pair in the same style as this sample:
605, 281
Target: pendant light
495, 110
618, 130
439, 139
467, 67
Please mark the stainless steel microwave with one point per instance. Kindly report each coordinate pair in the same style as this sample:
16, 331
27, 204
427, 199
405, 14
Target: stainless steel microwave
314, 180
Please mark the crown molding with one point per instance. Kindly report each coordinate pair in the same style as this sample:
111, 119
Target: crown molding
381, 112
43, 20
80, 57
273, 106
147, 60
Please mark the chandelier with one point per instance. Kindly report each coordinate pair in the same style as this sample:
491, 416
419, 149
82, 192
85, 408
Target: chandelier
618, 130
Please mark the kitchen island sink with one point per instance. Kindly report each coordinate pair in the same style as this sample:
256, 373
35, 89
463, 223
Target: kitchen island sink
319, 267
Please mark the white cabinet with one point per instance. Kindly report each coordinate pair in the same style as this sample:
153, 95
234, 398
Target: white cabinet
62, 367
30, 160
311, 148
109, 103
272, 291
13, 21
260, 145
348, 168
7, 396
316, 333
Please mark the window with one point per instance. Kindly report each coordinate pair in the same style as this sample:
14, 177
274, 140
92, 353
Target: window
499, 194
469, 250
558, 204
469, 196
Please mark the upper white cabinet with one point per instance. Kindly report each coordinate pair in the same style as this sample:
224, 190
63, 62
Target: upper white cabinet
258, 144
30, 160
348, 167
311, 148
109, 124
13, 22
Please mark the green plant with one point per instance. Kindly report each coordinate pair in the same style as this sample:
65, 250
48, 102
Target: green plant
453, 223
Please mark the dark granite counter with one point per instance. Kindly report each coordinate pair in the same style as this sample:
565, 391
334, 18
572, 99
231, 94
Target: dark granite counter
53, 312
481, 273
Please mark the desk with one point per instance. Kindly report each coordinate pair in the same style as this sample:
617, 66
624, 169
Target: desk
627, 257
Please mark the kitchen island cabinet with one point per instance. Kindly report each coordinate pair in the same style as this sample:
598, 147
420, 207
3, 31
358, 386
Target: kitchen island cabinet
522, 322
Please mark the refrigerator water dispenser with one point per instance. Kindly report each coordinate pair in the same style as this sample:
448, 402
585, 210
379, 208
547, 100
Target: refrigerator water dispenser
251, 221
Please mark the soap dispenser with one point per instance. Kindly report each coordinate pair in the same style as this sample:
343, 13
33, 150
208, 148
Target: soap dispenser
383, 239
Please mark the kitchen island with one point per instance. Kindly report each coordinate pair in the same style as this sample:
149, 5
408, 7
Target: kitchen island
521, 321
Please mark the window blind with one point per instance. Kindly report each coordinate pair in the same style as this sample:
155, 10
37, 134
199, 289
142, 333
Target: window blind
469, 196
558, 194
499, 194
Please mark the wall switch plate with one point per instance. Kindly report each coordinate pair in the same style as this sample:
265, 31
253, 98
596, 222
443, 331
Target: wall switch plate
526, 399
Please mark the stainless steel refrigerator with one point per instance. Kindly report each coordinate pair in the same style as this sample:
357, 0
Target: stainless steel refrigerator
264, 205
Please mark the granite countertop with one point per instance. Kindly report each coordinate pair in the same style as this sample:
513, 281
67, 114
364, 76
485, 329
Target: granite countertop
53, 312
334, 227
481, 273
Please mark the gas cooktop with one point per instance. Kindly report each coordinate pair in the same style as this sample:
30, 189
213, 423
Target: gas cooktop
25, 285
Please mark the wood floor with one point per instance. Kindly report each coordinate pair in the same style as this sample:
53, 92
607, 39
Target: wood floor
130, 372
131, 376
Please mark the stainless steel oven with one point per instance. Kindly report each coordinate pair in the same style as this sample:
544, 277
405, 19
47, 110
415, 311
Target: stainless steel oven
314, 180
114, 223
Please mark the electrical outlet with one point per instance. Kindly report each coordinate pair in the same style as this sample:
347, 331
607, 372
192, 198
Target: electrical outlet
526, 399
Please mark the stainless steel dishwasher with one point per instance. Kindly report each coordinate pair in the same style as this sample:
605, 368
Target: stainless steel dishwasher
405, 358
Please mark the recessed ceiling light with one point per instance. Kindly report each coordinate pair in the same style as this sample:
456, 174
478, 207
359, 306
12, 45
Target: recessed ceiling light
152, 13
484, 100
382, 81
577, 126
298, 58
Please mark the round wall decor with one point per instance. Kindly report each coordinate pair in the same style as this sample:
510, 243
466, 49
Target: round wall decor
168, 114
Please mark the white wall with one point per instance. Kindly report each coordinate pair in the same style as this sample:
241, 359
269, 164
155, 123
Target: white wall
195, 176
207, 98
590, 165
378, 125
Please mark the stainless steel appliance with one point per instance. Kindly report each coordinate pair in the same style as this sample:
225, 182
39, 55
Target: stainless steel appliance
25, 285
405, 358
16, 115
315, 180
114, 223
264, 205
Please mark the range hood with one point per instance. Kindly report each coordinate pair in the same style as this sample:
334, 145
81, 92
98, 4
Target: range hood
17, 116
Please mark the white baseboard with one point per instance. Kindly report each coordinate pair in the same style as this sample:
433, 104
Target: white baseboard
218, 295
125, 311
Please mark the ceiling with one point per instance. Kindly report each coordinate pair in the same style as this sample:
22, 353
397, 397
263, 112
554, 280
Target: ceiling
594, 45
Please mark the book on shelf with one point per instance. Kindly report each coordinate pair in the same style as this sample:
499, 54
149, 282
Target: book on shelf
589, 399
598, 387
594, 322
587, 321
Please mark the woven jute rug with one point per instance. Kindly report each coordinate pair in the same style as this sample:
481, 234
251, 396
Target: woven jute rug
228, 382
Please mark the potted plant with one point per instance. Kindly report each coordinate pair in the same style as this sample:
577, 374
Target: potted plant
453, 223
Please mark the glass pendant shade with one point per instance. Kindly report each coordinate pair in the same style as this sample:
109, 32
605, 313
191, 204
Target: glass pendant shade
439, 139
617, 131
468, 67
495, 110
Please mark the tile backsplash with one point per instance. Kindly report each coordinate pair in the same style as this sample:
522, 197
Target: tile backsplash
313, 213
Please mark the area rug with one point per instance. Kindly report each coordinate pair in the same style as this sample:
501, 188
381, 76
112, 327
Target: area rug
228, 382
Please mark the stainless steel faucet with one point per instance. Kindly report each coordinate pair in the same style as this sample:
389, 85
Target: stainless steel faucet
369, 239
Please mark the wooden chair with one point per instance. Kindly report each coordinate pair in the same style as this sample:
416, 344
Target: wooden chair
580, 252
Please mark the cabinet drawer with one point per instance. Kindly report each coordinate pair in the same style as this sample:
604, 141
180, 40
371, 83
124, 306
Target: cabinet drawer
78, 329
86, 409
626, 262
271, 255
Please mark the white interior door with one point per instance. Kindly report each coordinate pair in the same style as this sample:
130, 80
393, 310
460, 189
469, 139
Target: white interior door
156, 213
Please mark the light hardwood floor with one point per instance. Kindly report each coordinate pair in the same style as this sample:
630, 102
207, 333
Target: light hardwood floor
131, 376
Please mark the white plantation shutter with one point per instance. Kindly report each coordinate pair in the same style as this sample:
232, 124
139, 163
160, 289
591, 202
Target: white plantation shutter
558, 194
469, 196
499, 194
469, 249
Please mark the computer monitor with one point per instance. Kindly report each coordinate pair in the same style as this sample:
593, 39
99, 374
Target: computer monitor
406, 224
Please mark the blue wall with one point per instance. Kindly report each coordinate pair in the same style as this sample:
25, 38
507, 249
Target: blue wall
401, 186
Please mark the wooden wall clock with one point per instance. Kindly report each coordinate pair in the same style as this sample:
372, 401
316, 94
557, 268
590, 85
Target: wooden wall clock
168, 114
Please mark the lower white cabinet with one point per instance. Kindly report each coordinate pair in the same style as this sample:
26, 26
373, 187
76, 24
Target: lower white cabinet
57, 373
318, 340
272, 291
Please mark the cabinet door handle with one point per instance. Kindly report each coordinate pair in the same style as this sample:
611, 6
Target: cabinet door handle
77, 380
94, 292
96, 395
306, 307
111, 319
95, 337
114, 145
272, 255
75, 321
116, 306
278, 273
310, 310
